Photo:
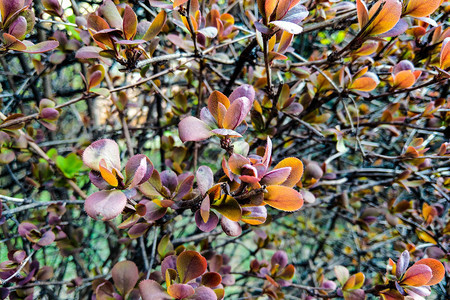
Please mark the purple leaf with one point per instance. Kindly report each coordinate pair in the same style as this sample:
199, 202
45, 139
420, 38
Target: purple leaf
25, 228
138, 230
230, 228
296, 14
18, 28
237, 112
280, 258
169, 180
193, 129
125, 275
205, 179
185, 187
138, 170
47, 238
180, 291
40, 47
398, 29
9, 7
212, 222
207, 117
277, 176
151, 290
263, 28
97, 180
154, 211
88, 52
402, 264
403, 65
203, 293
108, 204
170, 262
245, 90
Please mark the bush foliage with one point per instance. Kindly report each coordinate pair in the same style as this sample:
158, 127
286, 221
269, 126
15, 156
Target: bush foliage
203, 150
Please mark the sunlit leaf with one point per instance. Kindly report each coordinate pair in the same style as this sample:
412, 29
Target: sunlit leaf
283, 198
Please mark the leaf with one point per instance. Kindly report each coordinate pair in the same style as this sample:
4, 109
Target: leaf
125, 275
13, 43
190, 265
69, 165
269, 7
404, 79
9, 7
437, 269
290, 27
211, 279
88, 52
230, 228
180, 291
138, 170
204, 293
236, 113
129, 23
402, 264
40, 47
296, 173
417, 275
156, 26
342, 274
283, 198
354, 282
254, 215
151, 290
111, 14
214, 100
368, 82
445, 54
108, 204
279, 258
420, 8
228, 207
109, 176
209, 225
205, 179
387, 18
18, 28
363, 13
285, 41
276, 177
193, 129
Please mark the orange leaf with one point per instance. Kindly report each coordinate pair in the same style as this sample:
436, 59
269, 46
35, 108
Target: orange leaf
437, 268
283, 198
107, 175
296, 166
366, 83
363, 13
387, 18
420, 8
269, 7
417, 275
213, 103
445, 54
404, 79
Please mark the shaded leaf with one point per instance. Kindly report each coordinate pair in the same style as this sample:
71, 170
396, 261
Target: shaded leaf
108, 204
